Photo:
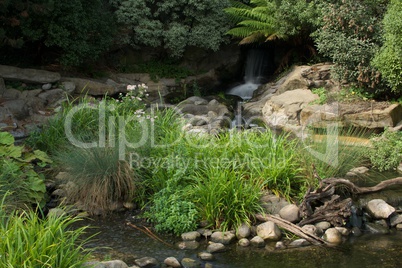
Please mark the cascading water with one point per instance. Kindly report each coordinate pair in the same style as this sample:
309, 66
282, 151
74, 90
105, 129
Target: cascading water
254, 69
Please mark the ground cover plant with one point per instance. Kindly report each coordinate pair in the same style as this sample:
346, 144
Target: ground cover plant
386, 154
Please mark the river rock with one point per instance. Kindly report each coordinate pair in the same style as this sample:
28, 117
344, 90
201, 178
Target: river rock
323, 225
357, 171
191, 245
257, 241
290, 213
172, 262
106, 264
333, 236
376, 228
28, 75
47, 86
147, 262
216, 247
205, 256
379, 209
269, 231
243, 231
312, 229
280, 245
399, 226
395, 219
343, 231
299, 243
52, 96
223, 237
205, 232
191, 236
190, 263
244, 242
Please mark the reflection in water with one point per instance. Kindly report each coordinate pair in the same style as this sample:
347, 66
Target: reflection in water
120, 241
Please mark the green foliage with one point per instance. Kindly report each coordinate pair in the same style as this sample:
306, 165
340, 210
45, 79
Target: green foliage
389, 59
262, 20
173, 25
77, 29
29, 241
225, 197
18, 173
322, 94
386, 154
350, 34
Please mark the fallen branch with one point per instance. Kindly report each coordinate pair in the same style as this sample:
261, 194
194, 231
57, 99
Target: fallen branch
149, 233
363, 190
287, 225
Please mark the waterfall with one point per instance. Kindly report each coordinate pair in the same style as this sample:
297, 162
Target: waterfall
253, 74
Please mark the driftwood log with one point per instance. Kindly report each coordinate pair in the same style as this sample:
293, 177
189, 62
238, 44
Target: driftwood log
323, 204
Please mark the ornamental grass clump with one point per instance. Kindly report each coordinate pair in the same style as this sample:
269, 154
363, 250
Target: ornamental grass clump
28, 240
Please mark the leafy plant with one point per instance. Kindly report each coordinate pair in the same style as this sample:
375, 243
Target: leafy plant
388, 58
386, 154
18, 173
27, 240
322, 94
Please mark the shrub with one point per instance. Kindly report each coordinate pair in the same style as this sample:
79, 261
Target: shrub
18, 173
386, 154
389, 59
29, 241
173, 25
349, 35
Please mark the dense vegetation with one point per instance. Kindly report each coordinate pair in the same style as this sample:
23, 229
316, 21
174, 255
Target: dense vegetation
360, 37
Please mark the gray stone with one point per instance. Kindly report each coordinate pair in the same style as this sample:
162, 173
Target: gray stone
92, 87
47, 86
28, 75
333, 236
376, 228
257, 241
343, 231
114, 264
17, 108
191, 236
205, 256
396, 219
299, 243
269, 231
243, 231
216, 247
243, 242
12, 94
68, 86
290, 213
147, 262
357, 171
27, 94
191, 245
172, 262
399, 226
311, 229
379, 209
223, 237
52, 96
190, 263
280, 245
205, 232
2, 87
323, 225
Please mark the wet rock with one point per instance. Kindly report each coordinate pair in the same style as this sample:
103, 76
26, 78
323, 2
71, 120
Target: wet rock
269, 231
257, 241
333, 236
172, 262
376, 228
11, 94
205, 232
312, 229
323, 225
147, 262
399, 226
190, 263
216, 247
290, 213
47, 86
244, 242
379, 209
395, 219
28, 75
243, 231
343, 231
191, 245
17, 108
357, 171
191, 236
223, 237
205, 256
356, 231
280, 245
299, 243
106, 264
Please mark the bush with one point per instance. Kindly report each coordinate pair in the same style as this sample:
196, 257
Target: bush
18, 173
349, 35
389, 59
173, 25
29, 241
386, 154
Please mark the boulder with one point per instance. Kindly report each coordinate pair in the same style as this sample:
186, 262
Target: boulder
223, 237
28, 75
379, 209
332, 236
205, 256
243, 231
91, 87
191, 236
172, 262
290, 213
269, 231
257, 241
